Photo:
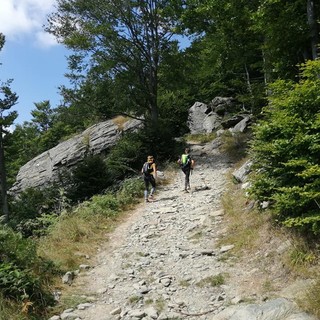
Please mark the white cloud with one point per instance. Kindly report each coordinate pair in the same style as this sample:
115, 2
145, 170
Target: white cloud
20, 18
45, 40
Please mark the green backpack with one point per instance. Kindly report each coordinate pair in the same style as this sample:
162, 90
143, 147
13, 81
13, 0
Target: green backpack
185, 160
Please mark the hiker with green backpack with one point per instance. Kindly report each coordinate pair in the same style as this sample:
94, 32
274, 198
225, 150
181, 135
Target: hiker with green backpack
186, 164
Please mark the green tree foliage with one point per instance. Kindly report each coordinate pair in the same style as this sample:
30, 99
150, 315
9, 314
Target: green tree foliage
7, 100
239, 46
90, 177
286, 36
22, 145
118, 47
226, 52
31, 205
125, 158
286, 150
42, 115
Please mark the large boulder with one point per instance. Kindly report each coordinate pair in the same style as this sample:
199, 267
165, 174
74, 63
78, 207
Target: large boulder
203, 118
196, 117
222, 105
211, 122
46, 168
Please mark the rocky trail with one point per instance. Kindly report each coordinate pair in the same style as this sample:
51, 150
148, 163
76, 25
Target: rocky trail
164, 261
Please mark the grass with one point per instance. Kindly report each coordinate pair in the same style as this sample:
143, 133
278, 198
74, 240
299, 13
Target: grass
184, 283
68, 300
267, 286
134, 299
9, 310
212, 281
301, 256
71, 235
120, 121
196, 236
160, 304
235, 145
311, 300
254, 231
244, 226
201, 138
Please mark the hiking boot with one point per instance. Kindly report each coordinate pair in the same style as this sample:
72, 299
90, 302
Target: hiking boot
146, 200
186, 191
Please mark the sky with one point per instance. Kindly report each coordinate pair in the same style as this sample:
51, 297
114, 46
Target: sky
30, 56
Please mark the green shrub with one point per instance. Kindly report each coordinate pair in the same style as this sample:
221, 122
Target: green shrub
32, 202
286, 151
24, 277
159, 141
107, 205
125, 157
27, 212
90, 177
130, 191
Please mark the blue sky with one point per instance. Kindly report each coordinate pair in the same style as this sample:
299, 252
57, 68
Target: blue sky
31, 57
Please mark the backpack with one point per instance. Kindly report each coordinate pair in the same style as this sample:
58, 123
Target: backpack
145, 168
185, 160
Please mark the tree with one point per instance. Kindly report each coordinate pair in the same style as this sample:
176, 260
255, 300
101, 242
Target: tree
7, 100
286, 151
118, 46
314, 28
290, 35
42, 115
226, 51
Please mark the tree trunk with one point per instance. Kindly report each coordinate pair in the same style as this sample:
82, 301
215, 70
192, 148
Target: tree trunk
3, 182
312, 21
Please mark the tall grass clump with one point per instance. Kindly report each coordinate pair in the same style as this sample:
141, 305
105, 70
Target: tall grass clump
310, 302
11, 310
76, 234
244, 226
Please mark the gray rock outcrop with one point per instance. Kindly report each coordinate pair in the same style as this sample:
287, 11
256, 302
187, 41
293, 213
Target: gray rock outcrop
276, 309
205, 118
46, 167
197, 114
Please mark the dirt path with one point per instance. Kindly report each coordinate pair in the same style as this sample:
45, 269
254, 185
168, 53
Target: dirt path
163, 262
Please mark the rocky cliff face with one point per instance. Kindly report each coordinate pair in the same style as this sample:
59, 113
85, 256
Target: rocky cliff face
45, 168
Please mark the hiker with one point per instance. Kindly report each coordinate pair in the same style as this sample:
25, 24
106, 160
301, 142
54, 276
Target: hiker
186, 164
149, 172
